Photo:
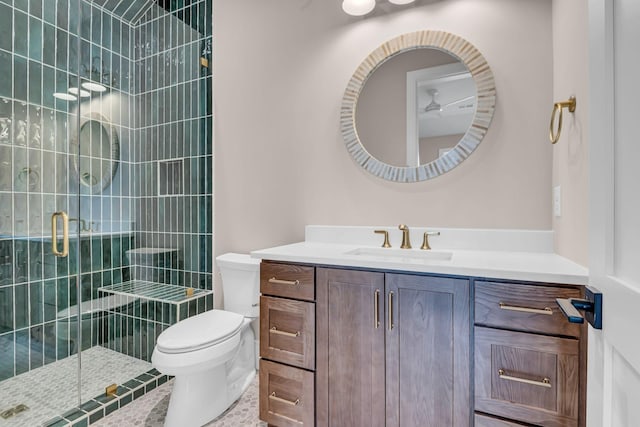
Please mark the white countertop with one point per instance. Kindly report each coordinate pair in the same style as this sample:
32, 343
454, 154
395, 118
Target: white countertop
499, 262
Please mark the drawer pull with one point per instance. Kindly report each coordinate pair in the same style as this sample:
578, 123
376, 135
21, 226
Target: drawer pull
545, 310
544, 383
281, 400
284, 282
275, 330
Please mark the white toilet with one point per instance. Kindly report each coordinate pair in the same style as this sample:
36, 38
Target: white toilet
213, 355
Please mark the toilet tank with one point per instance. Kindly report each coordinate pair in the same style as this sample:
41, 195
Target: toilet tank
240, 283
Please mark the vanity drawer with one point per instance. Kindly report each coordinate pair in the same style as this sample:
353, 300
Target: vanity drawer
528, 308
287, 280
287, 331
481, 420
527, 377
286, 395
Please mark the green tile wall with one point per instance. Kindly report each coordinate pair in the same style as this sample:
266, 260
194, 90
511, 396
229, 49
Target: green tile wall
174, 131
30, 309
133, 328
150, 60
40, 47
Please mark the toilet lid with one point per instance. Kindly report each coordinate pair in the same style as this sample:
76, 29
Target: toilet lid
203, 330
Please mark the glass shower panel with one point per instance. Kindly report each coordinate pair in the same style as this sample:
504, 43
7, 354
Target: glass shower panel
105, 116
111, 343
38, 344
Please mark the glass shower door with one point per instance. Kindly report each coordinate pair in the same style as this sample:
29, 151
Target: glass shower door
38, 210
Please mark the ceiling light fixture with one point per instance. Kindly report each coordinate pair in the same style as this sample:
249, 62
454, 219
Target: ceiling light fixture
75, 91
362, 7
94, 87
358, 7
65, 96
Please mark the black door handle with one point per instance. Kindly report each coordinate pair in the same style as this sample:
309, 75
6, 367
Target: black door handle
591, 305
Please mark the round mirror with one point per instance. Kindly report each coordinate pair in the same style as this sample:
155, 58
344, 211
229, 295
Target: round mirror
99, 152
417, 106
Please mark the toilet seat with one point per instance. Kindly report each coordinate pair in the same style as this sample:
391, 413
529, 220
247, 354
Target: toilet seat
201, 331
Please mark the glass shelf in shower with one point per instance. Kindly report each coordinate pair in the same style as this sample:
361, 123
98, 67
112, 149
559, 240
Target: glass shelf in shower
159, 292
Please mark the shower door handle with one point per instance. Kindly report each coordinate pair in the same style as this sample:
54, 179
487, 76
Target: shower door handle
65, 234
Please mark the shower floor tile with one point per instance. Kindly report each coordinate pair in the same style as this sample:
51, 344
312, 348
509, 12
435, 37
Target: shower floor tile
52, 389
151, 409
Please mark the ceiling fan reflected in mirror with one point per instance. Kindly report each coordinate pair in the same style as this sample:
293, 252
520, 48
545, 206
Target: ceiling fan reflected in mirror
434, 105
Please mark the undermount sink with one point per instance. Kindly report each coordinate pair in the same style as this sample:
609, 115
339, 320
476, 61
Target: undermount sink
400, 254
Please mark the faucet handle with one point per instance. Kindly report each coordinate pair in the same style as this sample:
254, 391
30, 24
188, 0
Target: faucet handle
386, 243
425, 241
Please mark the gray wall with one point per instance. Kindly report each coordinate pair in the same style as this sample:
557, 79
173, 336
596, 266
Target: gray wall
571, 153
280, 163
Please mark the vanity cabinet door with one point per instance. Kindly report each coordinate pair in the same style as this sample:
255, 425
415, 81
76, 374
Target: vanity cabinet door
349, 348
427, 351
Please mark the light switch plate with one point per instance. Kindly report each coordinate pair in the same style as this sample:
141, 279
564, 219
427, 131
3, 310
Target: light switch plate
557, 201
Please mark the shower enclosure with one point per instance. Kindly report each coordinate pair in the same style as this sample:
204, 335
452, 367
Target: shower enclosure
105, 198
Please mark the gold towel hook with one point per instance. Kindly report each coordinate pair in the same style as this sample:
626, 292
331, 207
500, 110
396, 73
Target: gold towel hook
557, 108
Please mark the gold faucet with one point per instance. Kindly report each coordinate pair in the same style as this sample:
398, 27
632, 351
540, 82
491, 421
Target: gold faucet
386, 238
406, 243
425, 241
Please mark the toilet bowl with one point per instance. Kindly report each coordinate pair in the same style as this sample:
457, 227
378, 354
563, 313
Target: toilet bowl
212, 355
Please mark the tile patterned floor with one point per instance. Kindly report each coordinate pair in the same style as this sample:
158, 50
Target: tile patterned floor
51, 390
150, 410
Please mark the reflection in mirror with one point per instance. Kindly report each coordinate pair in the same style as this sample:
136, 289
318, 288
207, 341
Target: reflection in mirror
417, 106
99, 152
429, 103
94, 146
442, 100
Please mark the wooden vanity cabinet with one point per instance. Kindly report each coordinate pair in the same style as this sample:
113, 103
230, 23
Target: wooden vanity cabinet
529, 361
287, 344
392, 349
349, 347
